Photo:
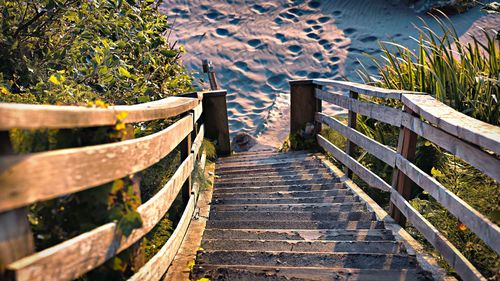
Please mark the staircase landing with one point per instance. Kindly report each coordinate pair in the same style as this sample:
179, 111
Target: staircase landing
289, 216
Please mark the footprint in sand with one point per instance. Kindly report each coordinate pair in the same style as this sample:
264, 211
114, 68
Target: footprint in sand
314, 4
313, 75
307, 30
334, 59
337, 13
214, 15
349, 31
318, 56
368, 38
324, 19
254, 43
222, 32
242, 65
259, 9
281, 37
316, 27
311, 22
313, 36
295, 49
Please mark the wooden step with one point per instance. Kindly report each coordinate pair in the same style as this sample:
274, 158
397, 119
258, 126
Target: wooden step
307, 224
282, 273
284, 194
381, 247
290, 176
300, 235
254, 157
301, 216
269, 165
287, 258
280, 188
271, 170
299, 207
331, 199
252, 182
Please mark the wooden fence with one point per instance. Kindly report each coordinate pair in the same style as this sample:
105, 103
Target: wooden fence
475, 142
35, 177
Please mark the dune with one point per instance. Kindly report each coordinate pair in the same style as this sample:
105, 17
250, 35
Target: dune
257, 46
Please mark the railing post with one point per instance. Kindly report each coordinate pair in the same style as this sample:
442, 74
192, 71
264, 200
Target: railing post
303, 106
351, 122
185, 147
16, 238
215, 119
209, 69
407, 146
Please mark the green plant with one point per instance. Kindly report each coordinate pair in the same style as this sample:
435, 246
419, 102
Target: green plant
462, 76
91, 53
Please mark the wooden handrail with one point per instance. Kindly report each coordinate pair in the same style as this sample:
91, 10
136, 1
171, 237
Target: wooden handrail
24, 179
474, 141
33, 116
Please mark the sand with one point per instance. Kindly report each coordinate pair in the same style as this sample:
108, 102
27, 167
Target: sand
257, 46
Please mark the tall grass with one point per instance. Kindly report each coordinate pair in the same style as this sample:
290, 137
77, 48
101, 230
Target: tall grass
464, 76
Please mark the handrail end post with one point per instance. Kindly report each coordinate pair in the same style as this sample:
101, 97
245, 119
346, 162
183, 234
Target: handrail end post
216, 120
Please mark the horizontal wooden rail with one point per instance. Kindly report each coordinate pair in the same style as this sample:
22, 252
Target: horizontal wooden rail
471, 154
71, 170
375, 148
450, 253
454, 122
366, 175
378, 112
363, 89
31, 116
74, 257
488, 231
475, 142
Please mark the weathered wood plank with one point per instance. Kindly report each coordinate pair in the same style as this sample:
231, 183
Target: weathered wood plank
379, 112
198, 141
24, 178
375, 148
454, 122
158, 265
350, 147
451, 254
488, 231
366, 175
74, 257
483, 161
363, 89
32, 116
198, 110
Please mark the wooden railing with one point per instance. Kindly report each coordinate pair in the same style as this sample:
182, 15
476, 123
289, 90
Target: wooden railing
35, 177
475, 142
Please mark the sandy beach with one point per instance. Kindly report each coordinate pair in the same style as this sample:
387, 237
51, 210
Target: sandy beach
257, 46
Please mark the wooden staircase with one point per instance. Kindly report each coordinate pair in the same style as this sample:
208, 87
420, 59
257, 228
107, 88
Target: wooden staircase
286, 216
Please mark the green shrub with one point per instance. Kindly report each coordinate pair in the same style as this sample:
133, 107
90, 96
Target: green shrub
92, 53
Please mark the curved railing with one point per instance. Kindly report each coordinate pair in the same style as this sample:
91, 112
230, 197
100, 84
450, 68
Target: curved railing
35, 177
475, 142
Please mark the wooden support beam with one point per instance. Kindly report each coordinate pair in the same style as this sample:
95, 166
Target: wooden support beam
215, 119
407, 146
16, 239
185, 147
351, 123
303, 106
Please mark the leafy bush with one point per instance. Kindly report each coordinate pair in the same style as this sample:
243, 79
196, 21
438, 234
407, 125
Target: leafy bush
92, 53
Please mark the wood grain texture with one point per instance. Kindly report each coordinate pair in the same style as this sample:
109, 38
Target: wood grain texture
25, 179
379, 112
471, 154
488, 231
31, 116
363, 89
198, 110
198, 141
155, 268
74, 257
366, 175
373, 147
451, 254
454, 122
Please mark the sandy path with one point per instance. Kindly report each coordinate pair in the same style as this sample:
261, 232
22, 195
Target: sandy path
257, 46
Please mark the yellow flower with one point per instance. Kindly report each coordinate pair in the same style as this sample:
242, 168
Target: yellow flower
122, 115
100, 103
120, 126
4, 90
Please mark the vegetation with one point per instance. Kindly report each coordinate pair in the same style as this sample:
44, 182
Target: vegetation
92, 53
464, 76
